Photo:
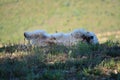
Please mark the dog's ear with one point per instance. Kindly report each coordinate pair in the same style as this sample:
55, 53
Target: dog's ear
83, 36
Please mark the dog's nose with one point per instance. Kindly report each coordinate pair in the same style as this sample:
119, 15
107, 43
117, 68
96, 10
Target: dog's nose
25, 35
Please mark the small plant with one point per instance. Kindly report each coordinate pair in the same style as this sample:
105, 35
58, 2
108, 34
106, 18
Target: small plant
52, 75
112, 48
55, 62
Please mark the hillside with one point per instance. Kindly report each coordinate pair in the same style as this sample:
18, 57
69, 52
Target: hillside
17, 16
18, 61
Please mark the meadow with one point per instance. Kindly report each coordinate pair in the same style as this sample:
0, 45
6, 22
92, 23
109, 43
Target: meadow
80, 62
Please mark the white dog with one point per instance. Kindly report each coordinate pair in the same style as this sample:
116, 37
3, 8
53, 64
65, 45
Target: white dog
42, 38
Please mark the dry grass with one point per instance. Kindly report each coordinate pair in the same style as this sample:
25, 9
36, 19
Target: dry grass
18, 16
55, 62
81, 62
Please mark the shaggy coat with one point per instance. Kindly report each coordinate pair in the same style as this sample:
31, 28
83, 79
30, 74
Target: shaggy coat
42, 38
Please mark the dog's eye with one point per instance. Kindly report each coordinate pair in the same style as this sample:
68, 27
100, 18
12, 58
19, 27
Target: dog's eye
91, 37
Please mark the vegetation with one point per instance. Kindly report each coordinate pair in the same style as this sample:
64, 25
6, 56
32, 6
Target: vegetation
19, 61
80, 62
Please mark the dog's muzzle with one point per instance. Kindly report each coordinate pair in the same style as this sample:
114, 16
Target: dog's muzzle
86, 38
26, 35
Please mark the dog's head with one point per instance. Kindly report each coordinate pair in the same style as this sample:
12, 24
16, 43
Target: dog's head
78, 33
85, 36
35, 34
90, 37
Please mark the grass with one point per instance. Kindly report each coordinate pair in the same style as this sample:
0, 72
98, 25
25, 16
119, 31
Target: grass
58, 63
81, 62
17, 16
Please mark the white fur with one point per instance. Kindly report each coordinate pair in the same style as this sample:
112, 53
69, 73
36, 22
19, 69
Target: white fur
94, 40
42, 38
